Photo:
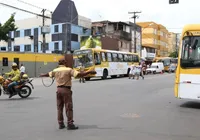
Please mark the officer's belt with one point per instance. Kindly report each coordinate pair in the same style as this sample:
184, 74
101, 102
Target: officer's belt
68, 87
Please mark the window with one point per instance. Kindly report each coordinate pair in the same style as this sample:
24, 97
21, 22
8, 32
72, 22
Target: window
161, 33
109, 57
125, 58
27, 48
135, 58
120, 56
190, 57
47, 46
56, 46
74, 37
56, 28
3, 48
130, 59
5, 61
155, 31
103, 57
16, 33
16, 48
97, 59
27, 32
16, 60
115, 57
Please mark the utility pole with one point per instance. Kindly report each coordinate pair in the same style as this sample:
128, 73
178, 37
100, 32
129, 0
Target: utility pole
135, 28
43, 33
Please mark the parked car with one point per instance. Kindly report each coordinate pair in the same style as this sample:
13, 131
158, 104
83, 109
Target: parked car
172, 68
155, 68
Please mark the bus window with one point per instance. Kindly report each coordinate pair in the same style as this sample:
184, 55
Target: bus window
115, 58
125, 58
120, 56
97, 59
137, 58
130, 59
103, 57
109, 57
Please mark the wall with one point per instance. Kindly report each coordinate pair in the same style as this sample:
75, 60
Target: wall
34, 63
109, 43
32, 22
84, 22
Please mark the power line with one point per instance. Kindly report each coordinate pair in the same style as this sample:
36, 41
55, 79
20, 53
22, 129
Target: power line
40, 15
33, 5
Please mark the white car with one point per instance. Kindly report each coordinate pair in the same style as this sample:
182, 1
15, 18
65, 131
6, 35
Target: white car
155, 68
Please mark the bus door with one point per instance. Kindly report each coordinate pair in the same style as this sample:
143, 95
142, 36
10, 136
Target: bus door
97, 62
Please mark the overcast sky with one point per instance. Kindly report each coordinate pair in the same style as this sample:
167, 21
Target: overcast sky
174, 17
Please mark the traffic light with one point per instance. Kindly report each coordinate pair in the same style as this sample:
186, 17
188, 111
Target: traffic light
173, 1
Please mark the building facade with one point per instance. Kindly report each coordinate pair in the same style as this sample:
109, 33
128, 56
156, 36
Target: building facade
65, 29
173, 42
154, 40
120, 32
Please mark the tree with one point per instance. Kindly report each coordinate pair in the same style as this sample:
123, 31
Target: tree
174, 54
8, 26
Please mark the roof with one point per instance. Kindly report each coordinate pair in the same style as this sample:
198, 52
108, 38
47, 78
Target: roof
111, 22
191, 27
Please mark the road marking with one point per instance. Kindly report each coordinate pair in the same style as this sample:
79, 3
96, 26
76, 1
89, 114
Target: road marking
130, 115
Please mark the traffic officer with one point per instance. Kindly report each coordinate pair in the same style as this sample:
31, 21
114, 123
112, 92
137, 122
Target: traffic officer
63, 79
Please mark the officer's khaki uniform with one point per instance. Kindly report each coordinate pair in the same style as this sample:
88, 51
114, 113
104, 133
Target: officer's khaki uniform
63, 78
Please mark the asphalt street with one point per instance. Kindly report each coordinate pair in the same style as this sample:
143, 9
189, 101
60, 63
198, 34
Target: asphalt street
112, 109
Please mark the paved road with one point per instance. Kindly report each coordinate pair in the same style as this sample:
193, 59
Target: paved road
105, 110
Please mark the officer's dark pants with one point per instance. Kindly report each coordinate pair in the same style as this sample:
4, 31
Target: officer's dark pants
64, 98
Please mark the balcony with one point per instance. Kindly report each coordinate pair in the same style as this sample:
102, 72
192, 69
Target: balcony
120, 35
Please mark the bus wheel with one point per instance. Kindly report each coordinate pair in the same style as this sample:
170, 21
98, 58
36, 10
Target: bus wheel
105, 74
87, 78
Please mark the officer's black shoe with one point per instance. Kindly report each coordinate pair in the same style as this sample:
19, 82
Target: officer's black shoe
61, 126
72, 127
11, 95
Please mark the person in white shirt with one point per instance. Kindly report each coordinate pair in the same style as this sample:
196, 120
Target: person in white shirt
132, 71
22, 70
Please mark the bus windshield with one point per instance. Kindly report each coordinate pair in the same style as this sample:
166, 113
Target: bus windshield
83, 57
190, 52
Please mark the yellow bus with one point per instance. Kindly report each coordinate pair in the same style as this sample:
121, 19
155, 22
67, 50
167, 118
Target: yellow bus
105, 62
167, 61
187, 83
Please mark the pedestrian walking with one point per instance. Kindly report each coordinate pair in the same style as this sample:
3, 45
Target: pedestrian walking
82, 69
141, 70
63, 79
132, 72
137, 72
22, 70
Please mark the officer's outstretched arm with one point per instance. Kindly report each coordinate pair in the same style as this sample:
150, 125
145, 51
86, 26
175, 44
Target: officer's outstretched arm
81, 74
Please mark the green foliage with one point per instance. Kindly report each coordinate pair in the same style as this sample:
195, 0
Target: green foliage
174, 54
8, 26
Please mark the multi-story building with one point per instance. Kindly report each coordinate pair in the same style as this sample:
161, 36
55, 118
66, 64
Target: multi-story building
121, 34
63, 28
154, 40
173, 42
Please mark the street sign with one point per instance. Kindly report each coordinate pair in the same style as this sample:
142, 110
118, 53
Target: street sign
173, 1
